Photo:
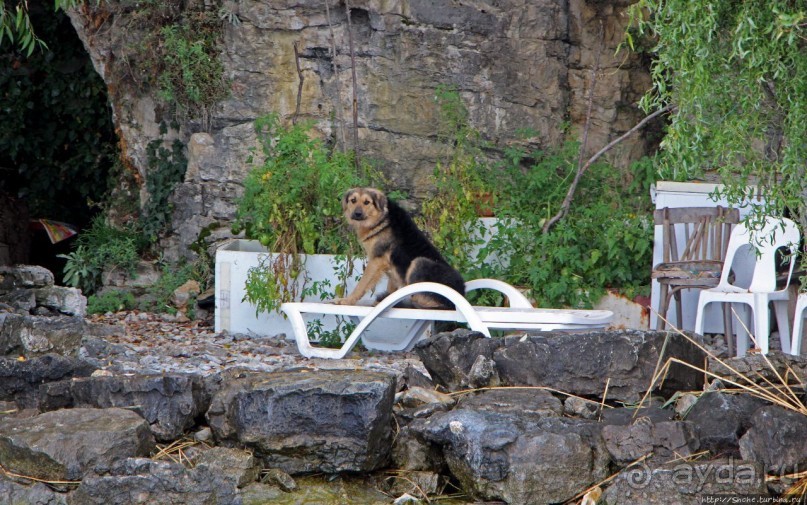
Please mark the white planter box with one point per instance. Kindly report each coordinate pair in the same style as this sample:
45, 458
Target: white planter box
233, 261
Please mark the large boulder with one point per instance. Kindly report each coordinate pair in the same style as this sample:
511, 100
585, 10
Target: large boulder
24, 276
302, 422
141, 480
169, 402
64, 300
517, 459
776, 438
20, 379
30, 336
576, 363
68, 444
720, 420
686, 483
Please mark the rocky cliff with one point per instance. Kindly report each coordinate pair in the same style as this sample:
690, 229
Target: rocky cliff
517, 64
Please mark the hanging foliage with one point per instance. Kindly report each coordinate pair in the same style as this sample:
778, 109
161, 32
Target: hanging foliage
737, 72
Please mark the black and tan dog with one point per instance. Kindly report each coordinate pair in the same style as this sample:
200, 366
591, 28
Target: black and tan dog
395, 247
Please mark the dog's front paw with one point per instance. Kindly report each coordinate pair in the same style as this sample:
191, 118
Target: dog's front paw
342, 301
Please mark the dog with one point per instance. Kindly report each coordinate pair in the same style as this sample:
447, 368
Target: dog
395, 247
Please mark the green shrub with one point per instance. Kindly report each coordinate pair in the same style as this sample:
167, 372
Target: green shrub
98, 248
291, 204
110, 301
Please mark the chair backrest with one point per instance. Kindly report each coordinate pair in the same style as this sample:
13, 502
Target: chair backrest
705, 231
766, 238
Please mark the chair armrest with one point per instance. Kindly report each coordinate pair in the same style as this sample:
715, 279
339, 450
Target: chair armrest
516, 297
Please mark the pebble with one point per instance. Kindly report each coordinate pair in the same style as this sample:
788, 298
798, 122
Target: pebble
145, 343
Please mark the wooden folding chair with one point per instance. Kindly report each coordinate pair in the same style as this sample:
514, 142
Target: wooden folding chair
704, 232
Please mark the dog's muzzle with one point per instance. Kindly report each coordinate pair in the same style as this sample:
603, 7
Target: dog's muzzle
357, 215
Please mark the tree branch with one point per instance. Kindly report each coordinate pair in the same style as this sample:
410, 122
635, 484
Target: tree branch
570, 194
355, 93
340, 115
299, 86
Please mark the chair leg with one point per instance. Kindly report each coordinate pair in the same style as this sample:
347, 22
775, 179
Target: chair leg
783, 324
663, 306
744, 324
798, 321
679, 311
762, 323
727, 333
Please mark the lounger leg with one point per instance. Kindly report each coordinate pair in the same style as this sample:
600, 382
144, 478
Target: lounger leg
798, 321
727, 333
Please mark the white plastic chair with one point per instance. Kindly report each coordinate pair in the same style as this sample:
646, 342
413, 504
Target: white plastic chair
798, 321
520, 315
776, 233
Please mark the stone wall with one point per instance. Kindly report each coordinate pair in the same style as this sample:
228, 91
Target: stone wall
518, 64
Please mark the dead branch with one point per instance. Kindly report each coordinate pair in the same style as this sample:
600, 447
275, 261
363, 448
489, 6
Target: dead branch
340, 115
299, 86
564, 209
356, 156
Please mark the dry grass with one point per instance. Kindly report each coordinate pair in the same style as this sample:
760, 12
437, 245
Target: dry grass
12, 475
175, 451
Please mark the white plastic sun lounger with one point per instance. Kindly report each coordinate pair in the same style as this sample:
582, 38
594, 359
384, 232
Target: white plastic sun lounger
520, 315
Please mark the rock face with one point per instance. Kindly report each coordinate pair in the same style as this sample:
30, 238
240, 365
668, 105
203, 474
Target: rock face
14, 493
303, 422
68, 444
170, 403
20, 380
516, 65
579, 364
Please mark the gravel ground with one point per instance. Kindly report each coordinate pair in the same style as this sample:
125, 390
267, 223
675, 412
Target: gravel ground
157, 343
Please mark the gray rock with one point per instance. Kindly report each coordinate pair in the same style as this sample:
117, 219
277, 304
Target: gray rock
534, 403
29, 336
301, 422
663, 441
626, 415
140, 480
776, 438
416, 396
21, 300
24, 276
720, 420
14, 493
235, 465
420, 484
686, 483
20, 380
68, 444
169, 402
279, 478
69, 301
483, 373
580, 407
412, 452
578, 364
516, 459
763, 369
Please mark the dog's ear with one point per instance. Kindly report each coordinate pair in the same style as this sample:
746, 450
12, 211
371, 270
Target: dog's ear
379, 200
347, 196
